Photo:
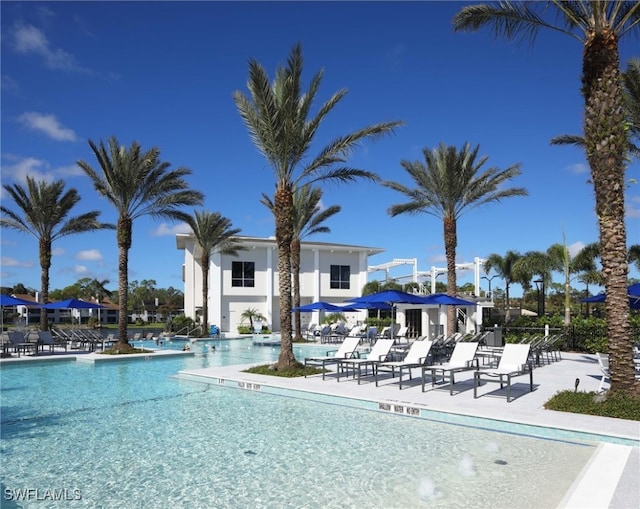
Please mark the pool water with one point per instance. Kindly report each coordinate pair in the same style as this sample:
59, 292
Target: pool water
131, 435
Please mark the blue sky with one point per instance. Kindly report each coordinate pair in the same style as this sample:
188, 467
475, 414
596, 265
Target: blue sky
163, 74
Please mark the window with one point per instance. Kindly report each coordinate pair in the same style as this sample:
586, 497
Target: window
340, 276
243, 274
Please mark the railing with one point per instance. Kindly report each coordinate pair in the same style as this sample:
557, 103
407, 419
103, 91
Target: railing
187, 331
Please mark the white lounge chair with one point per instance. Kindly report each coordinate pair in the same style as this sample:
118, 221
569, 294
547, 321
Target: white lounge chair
416, 357
347, 350
603, 361
378, 353
513, 362
463, 358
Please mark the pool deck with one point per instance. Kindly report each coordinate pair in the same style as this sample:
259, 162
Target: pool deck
611, 479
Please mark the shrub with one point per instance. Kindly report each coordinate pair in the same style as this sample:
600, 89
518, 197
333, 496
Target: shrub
614, 404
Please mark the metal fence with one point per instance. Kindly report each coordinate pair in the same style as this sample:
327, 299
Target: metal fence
575, 337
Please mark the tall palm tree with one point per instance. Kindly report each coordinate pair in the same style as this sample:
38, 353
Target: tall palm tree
503, 266
308, 217
137, 184
44, 214
280, 123
598, 26
450, 183
212, 233
562, 261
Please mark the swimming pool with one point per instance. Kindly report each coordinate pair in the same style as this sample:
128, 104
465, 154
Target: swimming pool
129, 434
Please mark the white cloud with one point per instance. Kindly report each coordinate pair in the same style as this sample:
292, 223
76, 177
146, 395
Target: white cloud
165, 230
575, 248
28, 39
57, 251
20, 167
73, 170
47, 124
80, 269
89, 254
6, 261
578, 168
35, 168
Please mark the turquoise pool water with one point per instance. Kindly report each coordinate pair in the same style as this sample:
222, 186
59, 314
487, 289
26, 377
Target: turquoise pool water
131, 435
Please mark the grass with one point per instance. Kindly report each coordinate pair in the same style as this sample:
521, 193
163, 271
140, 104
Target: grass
296, 371
615, 404
119, 349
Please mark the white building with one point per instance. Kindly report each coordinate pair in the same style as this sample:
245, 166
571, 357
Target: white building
332, 273
328, 272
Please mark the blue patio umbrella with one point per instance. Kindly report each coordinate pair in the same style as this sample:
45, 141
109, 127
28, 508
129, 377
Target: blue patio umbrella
9, 301
368, 305
632, 290
319, 306
446, 300
388, 298
73, 304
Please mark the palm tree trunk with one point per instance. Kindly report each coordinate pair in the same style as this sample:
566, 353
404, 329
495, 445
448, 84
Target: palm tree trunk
283, 202
606, 143
204, 262
450, 244
295, 268
124, 243
45, 265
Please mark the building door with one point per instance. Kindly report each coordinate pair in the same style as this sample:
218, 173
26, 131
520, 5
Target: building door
413, 318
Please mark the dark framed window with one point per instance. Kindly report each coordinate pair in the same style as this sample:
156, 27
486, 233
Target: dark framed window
243, 274
340, 277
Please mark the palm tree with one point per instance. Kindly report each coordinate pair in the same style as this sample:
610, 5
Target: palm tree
561, 260
137, 184
447, 186
276, 116
308, 217
44, 214
212, 233
503, 266
97, 289
252, 314
598, 26
634, 255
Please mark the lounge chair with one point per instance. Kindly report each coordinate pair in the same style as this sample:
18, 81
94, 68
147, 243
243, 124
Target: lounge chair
463, 358
603, 361
513, 362
45, 338
416, 357
347, 350
20, 344
402, 334
378, 353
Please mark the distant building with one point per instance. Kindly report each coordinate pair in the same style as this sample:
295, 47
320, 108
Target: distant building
332, 273
328, 272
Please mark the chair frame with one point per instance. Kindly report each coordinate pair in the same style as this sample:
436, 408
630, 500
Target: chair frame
347, 353
404, 364
448, 370
501, 375
380, 351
